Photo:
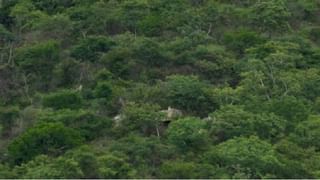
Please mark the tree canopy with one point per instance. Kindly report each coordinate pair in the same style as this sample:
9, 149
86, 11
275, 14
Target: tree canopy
149, 89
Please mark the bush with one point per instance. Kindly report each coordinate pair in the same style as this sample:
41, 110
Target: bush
314, 34
5, 35
239, 41
188, 133
89, 124
115, 167
178, 170
6, 172
65, 99
188, 93
188, 170
149, 53
46, 138
290, 108
45, 167
39, 58
307, 133
8, 116
270, 16
144, 119
145, 153
231, 121
251, 156
90, 49
52, 7
103, 90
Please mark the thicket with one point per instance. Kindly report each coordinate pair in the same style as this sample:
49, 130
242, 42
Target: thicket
159, 89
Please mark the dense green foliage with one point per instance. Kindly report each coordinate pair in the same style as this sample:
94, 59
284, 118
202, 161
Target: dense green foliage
159, 89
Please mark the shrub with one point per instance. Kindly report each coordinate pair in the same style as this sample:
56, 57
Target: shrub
46, 138
65, 99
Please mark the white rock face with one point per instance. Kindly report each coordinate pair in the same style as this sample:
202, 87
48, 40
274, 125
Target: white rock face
118, 118
172, 113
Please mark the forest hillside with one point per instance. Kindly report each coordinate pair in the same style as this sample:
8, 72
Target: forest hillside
160, 89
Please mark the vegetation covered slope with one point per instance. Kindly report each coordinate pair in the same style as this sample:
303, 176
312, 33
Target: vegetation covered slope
160, 89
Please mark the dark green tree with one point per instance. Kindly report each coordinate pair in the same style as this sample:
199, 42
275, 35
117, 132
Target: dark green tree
65, 99
188, 134
8, 119
90, 48
188, 93
251, 157
46, 138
